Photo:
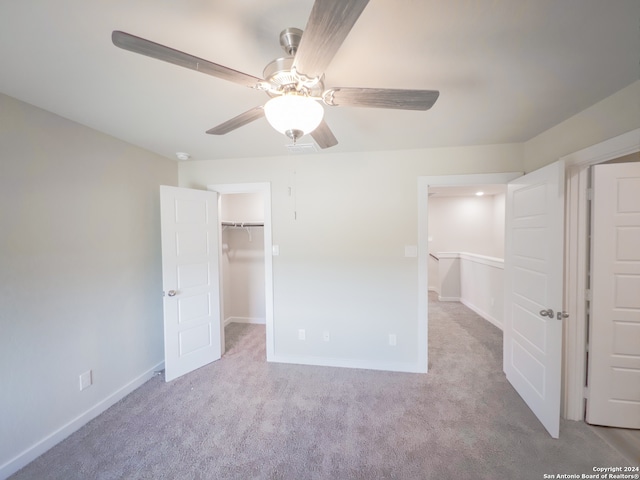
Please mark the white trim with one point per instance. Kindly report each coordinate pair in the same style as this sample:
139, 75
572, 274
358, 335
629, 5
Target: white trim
615, 147
349, 363
423, 236
441, 255
265, 189
483, 259
576, 250
252, 320
448, 299
482, 313
492, 262
37, 449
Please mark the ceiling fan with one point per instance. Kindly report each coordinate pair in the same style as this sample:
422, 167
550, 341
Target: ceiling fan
295, 83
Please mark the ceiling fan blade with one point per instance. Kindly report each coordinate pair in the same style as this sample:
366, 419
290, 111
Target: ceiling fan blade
329, 24
324, 136
237, 122
381, 98
151, 49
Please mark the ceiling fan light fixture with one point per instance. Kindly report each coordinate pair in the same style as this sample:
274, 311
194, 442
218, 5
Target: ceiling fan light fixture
293, 115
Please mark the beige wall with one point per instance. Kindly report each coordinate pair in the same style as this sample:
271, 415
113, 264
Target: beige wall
80, 273
613, 116
499, 213
464, 224
342, 234
467, 224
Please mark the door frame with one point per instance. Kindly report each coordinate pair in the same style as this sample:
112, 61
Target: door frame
423, 248
265, 189
576, 250
577, 166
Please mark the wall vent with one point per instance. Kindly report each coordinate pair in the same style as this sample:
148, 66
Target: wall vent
301, 148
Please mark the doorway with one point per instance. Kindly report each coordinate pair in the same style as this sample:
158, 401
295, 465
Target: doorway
424, 184
576, 250
613, 321
245, 254
466, 247
242, 260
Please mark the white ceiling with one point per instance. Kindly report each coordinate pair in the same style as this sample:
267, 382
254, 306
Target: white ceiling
506, 69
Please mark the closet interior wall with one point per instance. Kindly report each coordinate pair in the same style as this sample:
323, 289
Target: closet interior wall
242, 259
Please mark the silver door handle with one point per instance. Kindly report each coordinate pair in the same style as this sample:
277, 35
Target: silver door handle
547, 313
561, 315
172, 293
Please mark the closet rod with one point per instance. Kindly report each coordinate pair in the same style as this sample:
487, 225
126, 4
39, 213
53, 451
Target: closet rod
242, 224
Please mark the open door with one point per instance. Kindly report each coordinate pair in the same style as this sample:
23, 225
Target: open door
190, 279
614, 325
533, 290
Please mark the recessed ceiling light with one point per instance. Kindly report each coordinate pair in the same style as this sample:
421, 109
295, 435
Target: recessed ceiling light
479, 194
183, 156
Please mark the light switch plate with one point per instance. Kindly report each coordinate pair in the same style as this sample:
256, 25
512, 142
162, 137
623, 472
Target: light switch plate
275, 249
86, 380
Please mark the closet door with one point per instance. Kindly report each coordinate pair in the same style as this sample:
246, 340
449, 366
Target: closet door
190, 279
614, 326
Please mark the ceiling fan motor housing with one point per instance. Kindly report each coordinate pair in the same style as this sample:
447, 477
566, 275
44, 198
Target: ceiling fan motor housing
280, 73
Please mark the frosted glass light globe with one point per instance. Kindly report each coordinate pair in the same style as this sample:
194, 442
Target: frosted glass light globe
293, 115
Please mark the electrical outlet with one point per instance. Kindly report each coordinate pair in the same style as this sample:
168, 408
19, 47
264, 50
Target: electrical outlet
393, 340
326, 337
302, 335
86, 380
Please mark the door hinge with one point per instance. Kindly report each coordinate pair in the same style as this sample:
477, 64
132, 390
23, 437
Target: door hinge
586, 393
589, 193
587, 294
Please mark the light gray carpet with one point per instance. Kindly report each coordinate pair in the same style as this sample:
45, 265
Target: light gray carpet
241, 418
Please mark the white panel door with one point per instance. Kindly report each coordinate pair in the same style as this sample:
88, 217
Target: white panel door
190, 279
614, 326
533, 290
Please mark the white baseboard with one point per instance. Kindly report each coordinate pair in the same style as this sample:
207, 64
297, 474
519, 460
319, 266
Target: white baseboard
448, 299
350, 363
482, 313
255, 320
37, 449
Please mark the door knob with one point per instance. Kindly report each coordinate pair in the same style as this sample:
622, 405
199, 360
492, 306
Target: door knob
561, 315
172, 293
547, 313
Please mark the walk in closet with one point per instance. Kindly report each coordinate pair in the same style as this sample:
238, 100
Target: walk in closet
243, 261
